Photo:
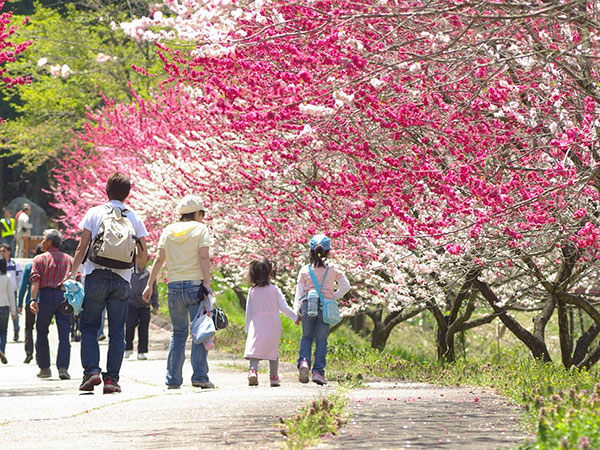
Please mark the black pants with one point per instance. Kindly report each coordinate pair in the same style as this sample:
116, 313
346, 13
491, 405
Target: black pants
140, 317
29, 324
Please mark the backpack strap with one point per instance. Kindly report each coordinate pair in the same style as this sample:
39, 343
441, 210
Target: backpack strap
314, 280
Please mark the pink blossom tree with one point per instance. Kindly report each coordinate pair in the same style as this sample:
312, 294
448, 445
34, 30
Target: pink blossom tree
8, 49
447, 148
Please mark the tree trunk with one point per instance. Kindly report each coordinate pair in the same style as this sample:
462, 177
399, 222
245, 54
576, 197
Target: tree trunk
537, 346
241, 297
564, 334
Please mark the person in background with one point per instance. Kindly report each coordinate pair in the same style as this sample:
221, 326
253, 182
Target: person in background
7, 230
48, 271
139, 311
25, 297
14, 268
23, 229
7, 306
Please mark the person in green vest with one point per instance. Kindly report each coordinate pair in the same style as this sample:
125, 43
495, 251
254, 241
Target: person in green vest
7, 229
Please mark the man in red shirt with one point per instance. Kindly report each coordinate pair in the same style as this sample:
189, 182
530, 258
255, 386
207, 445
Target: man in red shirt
48, 272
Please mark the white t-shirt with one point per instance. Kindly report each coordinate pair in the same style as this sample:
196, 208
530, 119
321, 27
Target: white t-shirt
92, 221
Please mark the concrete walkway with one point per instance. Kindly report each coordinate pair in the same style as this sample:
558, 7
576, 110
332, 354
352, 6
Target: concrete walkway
52, 413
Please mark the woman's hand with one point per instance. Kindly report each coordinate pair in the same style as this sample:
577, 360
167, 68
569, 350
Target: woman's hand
298, 320
147, 293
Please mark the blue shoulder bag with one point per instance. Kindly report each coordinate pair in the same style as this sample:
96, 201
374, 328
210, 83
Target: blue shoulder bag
331, 312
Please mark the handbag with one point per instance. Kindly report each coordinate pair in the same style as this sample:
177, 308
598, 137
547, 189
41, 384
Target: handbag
219, 318
331, 311
202, 327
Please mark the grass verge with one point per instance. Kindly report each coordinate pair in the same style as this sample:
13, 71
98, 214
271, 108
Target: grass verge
322, 417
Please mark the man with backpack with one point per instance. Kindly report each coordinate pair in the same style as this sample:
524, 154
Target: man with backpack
112, 239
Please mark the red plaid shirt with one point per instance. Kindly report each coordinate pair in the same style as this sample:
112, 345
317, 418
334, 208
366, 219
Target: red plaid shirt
51, 268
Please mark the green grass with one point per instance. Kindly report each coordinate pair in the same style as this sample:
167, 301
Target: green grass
321, 417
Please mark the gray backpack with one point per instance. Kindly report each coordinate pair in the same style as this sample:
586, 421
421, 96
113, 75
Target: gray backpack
114, 245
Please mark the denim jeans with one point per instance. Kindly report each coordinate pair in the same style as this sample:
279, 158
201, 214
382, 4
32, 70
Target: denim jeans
137, 316
4, 315
16, 326
314, 329
49, 302
183, 306
104, 289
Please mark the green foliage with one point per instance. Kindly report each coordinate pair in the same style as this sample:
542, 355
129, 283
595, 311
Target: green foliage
52, 105
321, 417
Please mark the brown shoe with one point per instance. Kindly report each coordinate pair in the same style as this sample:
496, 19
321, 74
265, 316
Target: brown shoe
203, 384
3, 358
89, 381
63, 374
45, 373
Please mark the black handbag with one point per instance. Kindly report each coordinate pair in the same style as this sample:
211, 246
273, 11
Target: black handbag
219, 318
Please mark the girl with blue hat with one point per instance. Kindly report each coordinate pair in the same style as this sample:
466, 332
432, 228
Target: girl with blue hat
311, 308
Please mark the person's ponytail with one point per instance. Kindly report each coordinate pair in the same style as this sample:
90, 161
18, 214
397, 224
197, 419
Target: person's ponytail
318, 256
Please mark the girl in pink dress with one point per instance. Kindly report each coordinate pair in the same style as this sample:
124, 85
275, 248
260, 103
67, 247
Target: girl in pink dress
263, 323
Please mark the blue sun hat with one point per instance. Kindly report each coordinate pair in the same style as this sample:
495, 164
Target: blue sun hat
320, 239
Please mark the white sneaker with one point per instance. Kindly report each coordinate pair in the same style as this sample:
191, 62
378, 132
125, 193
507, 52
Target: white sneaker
127, 354
142, 356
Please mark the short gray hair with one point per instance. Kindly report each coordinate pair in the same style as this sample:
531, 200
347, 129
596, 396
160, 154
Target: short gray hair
53, 236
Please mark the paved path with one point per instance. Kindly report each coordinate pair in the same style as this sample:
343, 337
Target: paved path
52, 414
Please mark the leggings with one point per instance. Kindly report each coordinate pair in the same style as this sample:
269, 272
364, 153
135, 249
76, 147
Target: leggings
273, 365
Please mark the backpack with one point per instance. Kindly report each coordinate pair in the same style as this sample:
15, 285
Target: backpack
114, 245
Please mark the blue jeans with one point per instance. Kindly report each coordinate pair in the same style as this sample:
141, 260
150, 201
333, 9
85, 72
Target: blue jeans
314, 329
183, 306
49, 302
104, 289
4, 315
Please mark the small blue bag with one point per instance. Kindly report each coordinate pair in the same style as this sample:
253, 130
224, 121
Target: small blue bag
202, 327
331, 311
74, 295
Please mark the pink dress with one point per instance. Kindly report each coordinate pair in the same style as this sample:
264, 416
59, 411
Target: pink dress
263, 323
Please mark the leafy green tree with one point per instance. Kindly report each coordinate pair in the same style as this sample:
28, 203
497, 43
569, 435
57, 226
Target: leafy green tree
80, 58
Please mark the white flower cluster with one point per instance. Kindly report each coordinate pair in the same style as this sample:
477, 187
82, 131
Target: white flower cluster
316, 110
341, 99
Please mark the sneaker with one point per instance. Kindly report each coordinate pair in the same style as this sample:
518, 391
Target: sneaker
303, 371
44, 373
319, 379
127, 354
89, 381
3, 358
203, 384
252, 378
28, 359
63, 374
142, 356
111, 386
275, 381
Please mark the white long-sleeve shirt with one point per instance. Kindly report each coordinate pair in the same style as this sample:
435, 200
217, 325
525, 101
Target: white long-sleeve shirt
7, 295
305, 284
